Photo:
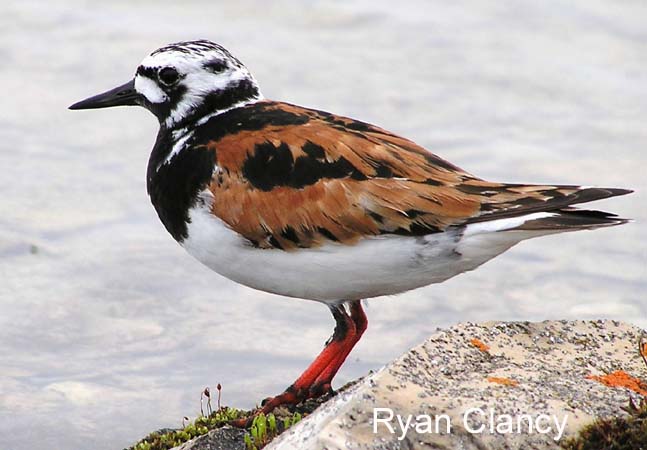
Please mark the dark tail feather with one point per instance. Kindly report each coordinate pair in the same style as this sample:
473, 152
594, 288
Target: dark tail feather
566, 219
560, 199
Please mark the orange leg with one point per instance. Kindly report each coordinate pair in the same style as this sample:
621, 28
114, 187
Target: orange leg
317, 378
322, 384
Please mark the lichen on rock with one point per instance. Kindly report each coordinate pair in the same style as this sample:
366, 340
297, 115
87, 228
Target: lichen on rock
507, 371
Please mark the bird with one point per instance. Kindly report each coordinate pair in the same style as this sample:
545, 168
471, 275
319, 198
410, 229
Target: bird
312, 205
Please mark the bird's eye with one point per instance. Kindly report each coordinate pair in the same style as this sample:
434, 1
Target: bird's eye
216, 65
168, 76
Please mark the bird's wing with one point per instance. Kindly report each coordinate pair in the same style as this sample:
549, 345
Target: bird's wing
320, 177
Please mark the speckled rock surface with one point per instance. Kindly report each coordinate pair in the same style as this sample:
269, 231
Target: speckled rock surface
523, 368
226, 438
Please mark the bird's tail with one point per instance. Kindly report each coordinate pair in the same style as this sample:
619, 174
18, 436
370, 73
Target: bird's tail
571, 219
531, 207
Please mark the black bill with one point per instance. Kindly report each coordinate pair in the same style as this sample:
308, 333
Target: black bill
124, 95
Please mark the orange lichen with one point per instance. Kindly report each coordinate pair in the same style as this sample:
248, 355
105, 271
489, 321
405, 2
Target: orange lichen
480, 345
620, 378
503, 381
643, 349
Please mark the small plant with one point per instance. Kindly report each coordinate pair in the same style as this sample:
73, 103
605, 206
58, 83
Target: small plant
206, 394
261, 432
289, 421
264, 429
202, 425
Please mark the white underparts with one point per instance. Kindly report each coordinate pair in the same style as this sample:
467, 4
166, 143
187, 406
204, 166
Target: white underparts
375, 266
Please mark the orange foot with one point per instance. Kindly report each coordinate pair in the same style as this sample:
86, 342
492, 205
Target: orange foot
317, 378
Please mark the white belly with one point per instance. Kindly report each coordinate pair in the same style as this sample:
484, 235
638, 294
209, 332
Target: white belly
381, 265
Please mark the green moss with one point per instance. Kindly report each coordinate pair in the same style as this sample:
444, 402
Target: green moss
617, 433
260, 433
265, 428
167, 439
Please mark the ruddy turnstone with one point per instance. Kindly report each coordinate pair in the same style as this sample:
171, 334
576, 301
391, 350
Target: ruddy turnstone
308, 204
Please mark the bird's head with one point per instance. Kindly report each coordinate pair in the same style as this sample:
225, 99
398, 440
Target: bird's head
183, 82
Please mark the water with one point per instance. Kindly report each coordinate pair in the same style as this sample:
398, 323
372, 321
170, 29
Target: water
108, 330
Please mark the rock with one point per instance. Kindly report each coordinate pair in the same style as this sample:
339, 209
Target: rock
543, 370
225, 438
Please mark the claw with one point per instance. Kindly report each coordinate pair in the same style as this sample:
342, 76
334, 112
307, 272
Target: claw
244, 422
319, 389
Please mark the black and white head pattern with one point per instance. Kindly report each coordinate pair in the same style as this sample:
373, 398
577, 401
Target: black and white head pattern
189, 81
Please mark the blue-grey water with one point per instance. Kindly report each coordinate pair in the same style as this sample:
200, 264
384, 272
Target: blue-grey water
108, 330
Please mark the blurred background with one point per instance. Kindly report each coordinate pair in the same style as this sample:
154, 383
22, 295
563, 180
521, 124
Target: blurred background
109, 330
